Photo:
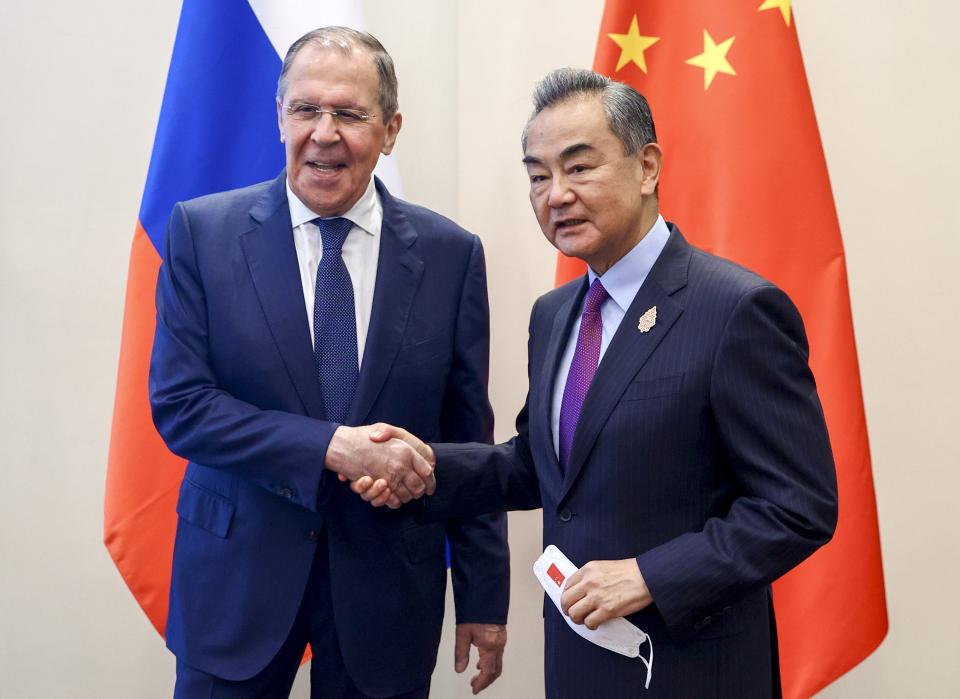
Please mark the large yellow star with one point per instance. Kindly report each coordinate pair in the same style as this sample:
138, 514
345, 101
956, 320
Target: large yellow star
632, 45
713, 60
782, 5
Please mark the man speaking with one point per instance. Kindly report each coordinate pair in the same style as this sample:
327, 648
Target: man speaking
672, 431
286, 312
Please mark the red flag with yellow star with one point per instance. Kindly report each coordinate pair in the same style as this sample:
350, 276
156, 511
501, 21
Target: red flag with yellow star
744, 176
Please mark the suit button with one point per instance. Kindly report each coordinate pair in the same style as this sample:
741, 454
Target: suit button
707, 620
283, 492
312, 535
566, 515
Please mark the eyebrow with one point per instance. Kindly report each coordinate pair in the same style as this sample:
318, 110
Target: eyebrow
567, 152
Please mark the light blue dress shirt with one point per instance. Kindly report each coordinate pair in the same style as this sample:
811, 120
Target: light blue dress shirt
622, 282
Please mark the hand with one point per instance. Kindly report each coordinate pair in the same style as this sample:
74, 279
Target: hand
381, 432
377, 491
352, 454
603, 590
490, 640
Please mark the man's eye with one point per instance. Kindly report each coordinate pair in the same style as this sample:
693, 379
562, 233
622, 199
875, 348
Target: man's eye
349, 116
578, 168
304, 110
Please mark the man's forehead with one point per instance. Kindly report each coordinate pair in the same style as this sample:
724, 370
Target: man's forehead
353, 58
573, 127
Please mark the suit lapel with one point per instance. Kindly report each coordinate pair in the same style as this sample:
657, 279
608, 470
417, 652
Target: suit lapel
398, 276
629, 349
272, 259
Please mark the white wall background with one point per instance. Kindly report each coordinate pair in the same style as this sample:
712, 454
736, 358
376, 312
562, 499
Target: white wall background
83, 84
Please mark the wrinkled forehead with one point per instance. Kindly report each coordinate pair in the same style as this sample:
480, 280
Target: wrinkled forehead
563, 129
348, 72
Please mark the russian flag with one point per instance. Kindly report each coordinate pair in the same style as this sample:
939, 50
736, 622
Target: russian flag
217, 131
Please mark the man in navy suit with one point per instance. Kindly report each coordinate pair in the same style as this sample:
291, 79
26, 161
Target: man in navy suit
672, 432
286, 313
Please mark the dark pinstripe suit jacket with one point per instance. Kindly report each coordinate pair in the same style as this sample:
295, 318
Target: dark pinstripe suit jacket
701, 450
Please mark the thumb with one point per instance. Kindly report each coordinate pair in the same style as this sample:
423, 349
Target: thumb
382, 432
461, 650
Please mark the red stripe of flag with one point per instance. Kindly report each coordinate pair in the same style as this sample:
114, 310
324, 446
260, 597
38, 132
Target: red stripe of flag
745, 177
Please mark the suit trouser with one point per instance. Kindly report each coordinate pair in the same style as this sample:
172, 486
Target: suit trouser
314, 624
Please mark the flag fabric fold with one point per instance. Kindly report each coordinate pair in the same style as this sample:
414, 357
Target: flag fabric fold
745, 177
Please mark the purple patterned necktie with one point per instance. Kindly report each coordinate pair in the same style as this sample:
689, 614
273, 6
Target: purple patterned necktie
335, 322
582, 368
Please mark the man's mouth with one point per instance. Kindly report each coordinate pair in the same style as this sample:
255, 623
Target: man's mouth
568, 223
325, 167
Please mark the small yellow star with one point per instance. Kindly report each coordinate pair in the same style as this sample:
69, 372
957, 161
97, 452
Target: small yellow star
713, 60
782, 5
632, 45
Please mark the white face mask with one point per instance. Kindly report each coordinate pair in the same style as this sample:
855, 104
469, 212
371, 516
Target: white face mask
619, 635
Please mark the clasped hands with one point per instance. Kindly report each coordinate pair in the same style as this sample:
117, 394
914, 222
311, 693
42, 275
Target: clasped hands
599, 591
385, 465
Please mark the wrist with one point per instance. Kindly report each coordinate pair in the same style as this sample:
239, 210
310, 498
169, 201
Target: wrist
338, 450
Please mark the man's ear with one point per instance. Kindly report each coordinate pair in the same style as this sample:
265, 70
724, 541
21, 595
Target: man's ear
280, 119
393, 128
651, 159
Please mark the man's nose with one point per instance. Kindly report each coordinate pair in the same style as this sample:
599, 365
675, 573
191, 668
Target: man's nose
560, 194
325, 129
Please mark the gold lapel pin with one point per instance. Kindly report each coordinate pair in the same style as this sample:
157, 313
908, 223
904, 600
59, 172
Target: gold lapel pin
647, 320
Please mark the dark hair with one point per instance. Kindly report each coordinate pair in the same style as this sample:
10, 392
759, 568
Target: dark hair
627, 111
345, 39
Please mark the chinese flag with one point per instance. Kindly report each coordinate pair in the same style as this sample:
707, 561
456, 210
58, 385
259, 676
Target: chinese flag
744, 176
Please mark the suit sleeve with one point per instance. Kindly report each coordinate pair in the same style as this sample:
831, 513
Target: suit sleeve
771, 428
479, 554
476, 478
199, 421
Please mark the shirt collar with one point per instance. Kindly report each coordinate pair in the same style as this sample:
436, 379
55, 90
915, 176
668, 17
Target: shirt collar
366, 213
624, 279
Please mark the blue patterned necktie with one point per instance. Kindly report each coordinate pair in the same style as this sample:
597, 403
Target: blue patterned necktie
335, 323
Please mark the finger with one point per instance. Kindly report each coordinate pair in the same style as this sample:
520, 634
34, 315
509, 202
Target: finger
490, 666
570, 596
595, 618
383, 498
371, 490
461, 649
581, 610
361, 485
382, 432
342, 477
393, 502
415, 484
421, 465
431, 485
402, 492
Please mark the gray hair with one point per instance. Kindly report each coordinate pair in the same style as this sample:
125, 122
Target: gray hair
627, 111
345, 39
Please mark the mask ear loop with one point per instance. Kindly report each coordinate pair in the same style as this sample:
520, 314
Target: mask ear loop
648, 663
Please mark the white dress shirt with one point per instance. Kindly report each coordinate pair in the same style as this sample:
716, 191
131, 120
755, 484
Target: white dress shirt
622, 282
361, 252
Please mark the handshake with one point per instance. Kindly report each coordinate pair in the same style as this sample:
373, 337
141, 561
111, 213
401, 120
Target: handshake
385, 465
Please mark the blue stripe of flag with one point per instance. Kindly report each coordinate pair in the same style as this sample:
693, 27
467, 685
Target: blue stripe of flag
218, 124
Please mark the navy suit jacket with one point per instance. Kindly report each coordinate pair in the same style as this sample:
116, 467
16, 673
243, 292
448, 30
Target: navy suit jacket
234, 390
701, 450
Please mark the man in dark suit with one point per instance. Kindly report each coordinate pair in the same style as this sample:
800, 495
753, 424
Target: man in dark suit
287, 312
672, 432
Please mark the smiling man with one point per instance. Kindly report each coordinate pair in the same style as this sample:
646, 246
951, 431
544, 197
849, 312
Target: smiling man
672, 433
287, 312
